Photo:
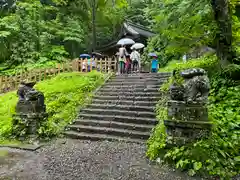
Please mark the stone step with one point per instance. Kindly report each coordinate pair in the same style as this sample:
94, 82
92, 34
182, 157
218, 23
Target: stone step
143, 75
135, 83
112, 131
117, 112
124, 119
113, 124
128, 98
140, 79
124, 102
123, 107
133, 86
130, 89
137, 94
97, 137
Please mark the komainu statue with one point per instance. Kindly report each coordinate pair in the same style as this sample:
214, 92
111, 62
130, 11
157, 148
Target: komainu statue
196, 85
27, 94
187, 108
30, 110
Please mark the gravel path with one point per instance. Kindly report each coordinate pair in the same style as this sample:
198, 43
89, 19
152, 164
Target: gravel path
85, 160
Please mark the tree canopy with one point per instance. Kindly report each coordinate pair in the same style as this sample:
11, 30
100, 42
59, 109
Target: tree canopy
42, 30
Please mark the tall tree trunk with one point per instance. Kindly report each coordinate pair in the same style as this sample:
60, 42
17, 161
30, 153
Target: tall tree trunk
224, 33
94, 8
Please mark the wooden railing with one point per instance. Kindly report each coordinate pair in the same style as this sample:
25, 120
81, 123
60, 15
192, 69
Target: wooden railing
9, 83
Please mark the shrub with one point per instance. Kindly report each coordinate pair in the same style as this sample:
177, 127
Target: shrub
216, 156
209, 63
64, 96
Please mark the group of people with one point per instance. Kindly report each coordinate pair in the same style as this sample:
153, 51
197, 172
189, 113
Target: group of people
128, 63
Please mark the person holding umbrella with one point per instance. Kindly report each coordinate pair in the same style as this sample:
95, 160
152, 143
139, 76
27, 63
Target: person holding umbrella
122, 58
135, 57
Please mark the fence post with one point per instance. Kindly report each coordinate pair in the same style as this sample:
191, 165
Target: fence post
6, 84
91, 60
14, 81
39, 75
35, 75
81, 64
70, 67
96, 64
1, 82
21, 74
105, 61
62, 67
115, 64
45, 74
101, 65
59, 70
73, 65
109, 64
77, 65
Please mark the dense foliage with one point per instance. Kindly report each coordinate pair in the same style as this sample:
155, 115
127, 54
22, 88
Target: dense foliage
217, 155
184, 26
38, 31
64, 95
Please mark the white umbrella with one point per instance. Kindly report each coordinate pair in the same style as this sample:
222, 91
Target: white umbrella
125, 41
138, 46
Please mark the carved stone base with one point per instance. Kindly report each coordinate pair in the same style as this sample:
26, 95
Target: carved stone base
29, 123
186, 122
182, 132
30, 107
180, 110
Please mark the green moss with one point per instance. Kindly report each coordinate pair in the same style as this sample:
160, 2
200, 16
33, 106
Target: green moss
217, 156
64, 96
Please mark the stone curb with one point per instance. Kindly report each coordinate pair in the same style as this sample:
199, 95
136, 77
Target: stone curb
26, 147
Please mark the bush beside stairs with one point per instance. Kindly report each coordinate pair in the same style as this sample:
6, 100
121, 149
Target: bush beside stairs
122, 109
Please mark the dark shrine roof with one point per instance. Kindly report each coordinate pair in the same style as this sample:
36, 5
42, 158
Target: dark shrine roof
130, 30
137, 30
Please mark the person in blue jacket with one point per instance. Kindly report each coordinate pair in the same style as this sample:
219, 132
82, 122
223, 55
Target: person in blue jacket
154, 67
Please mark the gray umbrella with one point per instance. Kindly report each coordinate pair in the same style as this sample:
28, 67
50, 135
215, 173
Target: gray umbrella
125, 41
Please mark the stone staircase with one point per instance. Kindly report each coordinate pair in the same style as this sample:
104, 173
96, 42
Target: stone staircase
123, 109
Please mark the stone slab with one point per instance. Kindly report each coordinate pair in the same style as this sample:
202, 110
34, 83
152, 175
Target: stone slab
28, 147
188, 124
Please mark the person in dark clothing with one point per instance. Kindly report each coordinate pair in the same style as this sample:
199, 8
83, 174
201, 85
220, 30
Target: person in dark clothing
128, 64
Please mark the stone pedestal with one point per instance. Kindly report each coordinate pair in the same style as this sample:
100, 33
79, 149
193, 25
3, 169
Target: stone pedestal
186, 122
